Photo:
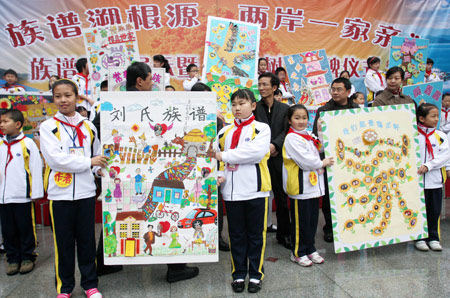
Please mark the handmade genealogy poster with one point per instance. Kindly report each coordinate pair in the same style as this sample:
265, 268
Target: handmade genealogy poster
376, 195
310, 77
426, 93
117, 79
160, 193
109, 46
411, 55
230, 59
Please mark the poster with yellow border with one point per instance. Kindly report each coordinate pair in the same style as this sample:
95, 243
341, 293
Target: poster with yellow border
376, 195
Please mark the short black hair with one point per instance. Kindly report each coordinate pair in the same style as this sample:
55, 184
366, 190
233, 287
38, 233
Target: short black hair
81, 63
14, 115
393, 70
345, 81
372, 60
65, 82
279, 69
190, 66
104, 84
10, 71
278, 91
429, 60
80, 109
243, 93
344, 71
274, 80
170, 86
137, 70
200, 87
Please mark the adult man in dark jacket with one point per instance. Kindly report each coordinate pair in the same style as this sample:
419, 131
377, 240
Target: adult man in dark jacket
273, 113
340, 92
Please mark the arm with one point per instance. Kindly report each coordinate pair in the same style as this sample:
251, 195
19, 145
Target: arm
300, 152
37, 186
250, 152
88, 99
441, 157
97, 150
372, 83
187, 84
56, 158
445, 128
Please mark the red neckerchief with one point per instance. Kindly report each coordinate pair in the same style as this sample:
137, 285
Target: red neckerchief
10, 156
427, 139
445, 111
237, 132
428, 72
316, 142
380, 77
77, 127
86, 78
6, 87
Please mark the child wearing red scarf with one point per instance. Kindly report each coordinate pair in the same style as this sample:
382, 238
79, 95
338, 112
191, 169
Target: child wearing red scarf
375, 80
83, 84
244, 179
304, 183
434, 154
445, 114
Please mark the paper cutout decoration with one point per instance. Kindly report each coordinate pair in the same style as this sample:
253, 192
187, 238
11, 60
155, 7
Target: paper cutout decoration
117, 79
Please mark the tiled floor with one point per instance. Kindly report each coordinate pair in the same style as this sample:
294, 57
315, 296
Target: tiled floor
393, 271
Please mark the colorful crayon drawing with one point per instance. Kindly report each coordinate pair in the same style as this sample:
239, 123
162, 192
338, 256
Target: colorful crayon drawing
117, 79
426, 93
411, 55
376, 195
109, 46
161, 188
310, 77
230, 59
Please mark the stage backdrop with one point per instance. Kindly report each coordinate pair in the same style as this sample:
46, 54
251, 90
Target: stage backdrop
41, 38
376, 195
160, 193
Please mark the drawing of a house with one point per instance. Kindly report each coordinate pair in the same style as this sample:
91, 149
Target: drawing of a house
168, 191
195, 143
316, 76
129, 233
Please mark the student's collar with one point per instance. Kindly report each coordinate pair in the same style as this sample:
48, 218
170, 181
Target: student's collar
9, 139
243, 120
302, 132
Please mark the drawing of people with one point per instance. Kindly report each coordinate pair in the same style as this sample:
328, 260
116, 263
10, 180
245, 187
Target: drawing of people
198, 234
117, 191
174, 235
150, 237
114, 171
197, 189
116, 138
138, 182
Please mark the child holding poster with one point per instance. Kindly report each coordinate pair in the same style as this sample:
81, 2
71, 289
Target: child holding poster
304, 183
434, 153
374, 80
72, 150
244, 181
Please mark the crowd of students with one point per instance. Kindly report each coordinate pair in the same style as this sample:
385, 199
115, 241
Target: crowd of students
266, 153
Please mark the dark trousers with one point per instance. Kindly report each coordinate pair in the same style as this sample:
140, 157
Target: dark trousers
433, 202
247, 224
305, 217
19, 231
220, 209
282, 213
74, 224
326, 208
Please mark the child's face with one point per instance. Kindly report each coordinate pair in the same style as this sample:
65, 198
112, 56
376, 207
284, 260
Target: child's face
375, 66
84, 113
52, 80
10, 79
193, 72
262, 67
9, 126
345, 75
429, 66
242, 108
299, 119
431, 120
278, 97
394, 81
65, 99
157, 64
446, 101
104, 89
359, 99
282, 76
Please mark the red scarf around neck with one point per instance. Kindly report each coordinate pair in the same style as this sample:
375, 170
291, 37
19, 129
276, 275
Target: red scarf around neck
237, 132
427, 139
77, 127
445, 111
10, 156
380, 77
86, 79
316, 142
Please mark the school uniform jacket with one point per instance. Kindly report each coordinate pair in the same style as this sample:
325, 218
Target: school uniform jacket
301, 165
445, 123
252, 179
22, 181
435, 176
373, 83
81, 83
55, 143
189, 83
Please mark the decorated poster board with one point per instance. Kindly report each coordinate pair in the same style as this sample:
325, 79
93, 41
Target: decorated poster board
160, 193
109, 46
310, 77
312, 111
36, 107
426, 93
117, 79
230, 59
376, 195
411, 55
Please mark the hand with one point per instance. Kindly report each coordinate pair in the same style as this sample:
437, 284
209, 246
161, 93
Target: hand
219, 156
273, 150
99, 160
319, 124
220, 116
329, 161
220, 180
100, 173
422, 170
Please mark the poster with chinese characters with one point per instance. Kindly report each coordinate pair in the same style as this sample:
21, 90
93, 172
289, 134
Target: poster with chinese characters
426, 93
160, 193
230, 59
411, 55
310, 77
376, 195
36, 107
109, 46
117, 79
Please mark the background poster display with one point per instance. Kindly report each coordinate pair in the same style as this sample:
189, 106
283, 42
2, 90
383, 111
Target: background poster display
117, 79
376, 195
159, 195
230, 59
